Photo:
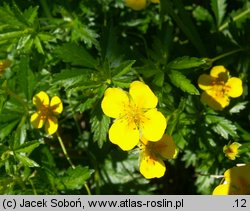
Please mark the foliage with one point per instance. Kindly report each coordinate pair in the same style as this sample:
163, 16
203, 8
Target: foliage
76, 50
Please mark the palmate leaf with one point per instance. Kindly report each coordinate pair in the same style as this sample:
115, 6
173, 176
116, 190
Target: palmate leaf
219, 9
73, 179
182, 82
222, 126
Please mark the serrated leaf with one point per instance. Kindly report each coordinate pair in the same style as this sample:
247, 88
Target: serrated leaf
182, 82
219, 9
74, 179
222, 126
75, 55
238, 107
38, 45
26, 78
202, 14
30, 14
99, 126
71, 77
187, 63
123, 68
26, 161
28, 147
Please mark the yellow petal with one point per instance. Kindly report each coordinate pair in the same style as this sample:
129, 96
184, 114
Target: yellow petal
205, 81
154, 125
124, 134
151, 166
41, 99
37, 120
214, 103
56, 105
238, 173
114, 102
142, 95
166, 147
235, 87
221, 190
136, 4
51, 125
219, 72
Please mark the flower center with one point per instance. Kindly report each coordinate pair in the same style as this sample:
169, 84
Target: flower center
220, 88
134, 114
45, 111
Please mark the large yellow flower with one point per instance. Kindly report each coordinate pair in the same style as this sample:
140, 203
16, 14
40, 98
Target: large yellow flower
152, 155
136, 115
231, 151
136, 4
237, 182
218, 87
46, 112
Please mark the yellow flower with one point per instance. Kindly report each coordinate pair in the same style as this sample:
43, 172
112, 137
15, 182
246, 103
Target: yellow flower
218, 87
46, 112
237, 182
152, 155
136, 115
136, 4
231, 151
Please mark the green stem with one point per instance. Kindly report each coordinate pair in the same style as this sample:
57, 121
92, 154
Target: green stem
46, 8
87, 189
33, 187
237, 17
64, 150
225, 55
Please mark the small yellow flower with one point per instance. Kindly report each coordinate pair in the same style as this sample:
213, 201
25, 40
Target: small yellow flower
237, 182
46, 112
152, 155
231, 151
218, 87
136, 115
136, 4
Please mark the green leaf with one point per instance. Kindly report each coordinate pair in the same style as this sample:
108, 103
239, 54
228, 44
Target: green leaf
30, 14
26, 78
182, 82
28, 147
26, 161
74, 179
75, 55
71, 77
38, 45
202, 14
222, 126
14, 34
99, 126
219, 9
238, 107
5, 129
187, 63
123, 68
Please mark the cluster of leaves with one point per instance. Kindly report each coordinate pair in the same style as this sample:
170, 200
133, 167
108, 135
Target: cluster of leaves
76, 49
